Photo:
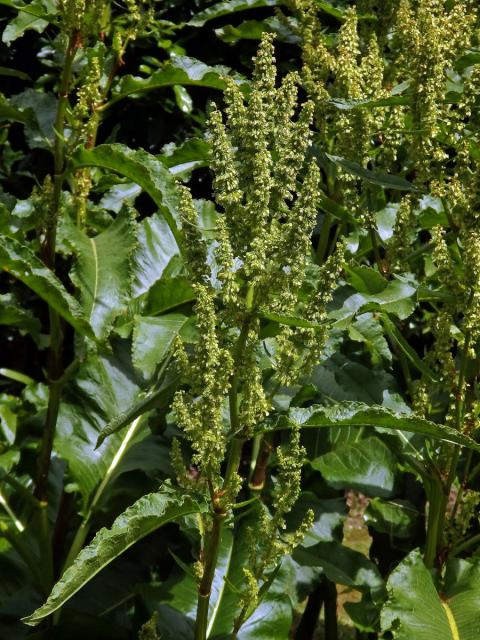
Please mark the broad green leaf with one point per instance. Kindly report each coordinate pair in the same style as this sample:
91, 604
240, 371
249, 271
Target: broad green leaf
145, 516
271, 619
397, 298
367, 466
159, 399
168, 293
451, 614
329, 518
367, 329
35, 15
183, 98
104, 388
385, 180
120, 194
358, 414
35, 8
461, 593
336, 12
180, 70
341, 378
143, 169
14, 314
155, 250
364, 614
9, 111
41, 109
19, 260
9, 409
102, 271
366, 280
467, 60
247, 30
153, 339
8, 459
21, 23
342, 565
189, 155
396, 518
228, 7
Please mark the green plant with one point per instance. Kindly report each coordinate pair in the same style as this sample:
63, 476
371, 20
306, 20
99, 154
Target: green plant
239, 342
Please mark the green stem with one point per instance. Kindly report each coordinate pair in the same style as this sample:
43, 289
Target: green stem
47, 551
56, 333
459, 413
435, 499
233, 462
438, 505
47, 441
204, 591
59, 150
234, 458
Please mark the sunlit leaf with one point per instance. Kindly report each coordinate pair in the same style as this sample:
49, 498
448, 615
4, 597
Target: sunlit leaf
357, 414
145, 516
19, 260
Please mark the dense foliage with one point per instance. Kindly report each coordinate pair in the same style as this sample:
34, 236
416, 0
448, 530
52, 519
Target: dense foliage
240, 317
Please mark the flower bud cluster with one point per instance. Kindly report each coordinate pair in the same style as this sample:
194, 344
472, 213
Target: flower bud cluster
430, 35
352, 70
258, 152
199, 412
402, 234
257, 264
299, 349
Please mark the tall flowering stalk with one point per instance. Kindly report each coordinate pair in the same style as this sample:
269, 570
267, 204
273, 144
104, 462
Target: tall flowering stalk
257, 266
425, 39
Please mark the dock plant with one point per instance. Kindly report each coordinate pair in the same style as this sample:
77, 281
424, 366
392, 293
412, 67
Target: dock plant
239, 320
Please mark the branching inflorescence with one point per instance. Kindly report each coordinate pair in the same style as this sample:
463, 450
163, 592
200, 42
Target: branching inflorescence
257, 266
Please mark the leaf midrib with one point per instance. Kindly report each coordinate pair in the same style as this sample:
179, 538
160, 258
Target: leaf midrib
451, 621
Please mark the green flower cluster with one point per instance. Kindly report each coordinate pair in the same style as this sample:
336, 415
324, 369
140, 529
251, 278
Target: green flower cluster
257, 264
352, 70
429, 36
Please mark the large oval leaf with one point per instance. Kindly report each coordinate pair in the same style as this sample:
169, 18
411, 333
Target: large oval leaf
453, 614
368, 466
358, 414
179, 71
145, 516
342, 565
104, 388
153, 338
103, 271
